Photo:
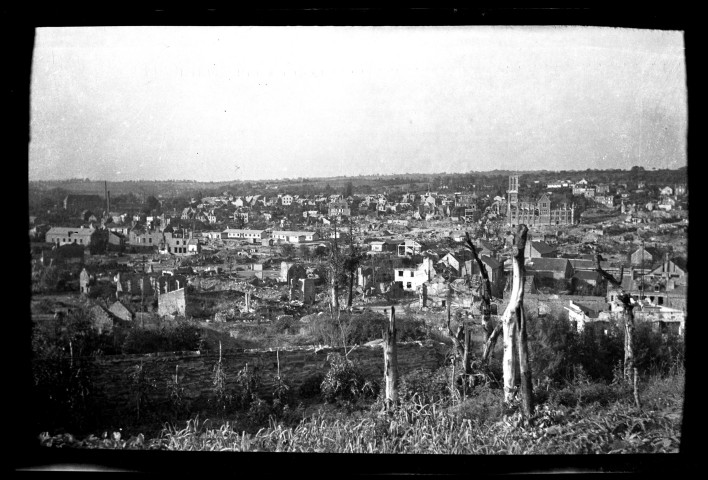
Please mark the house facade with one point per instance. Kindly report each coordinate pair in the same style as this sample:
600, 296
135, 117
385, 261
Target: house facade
409, 248
290, 236
143, 237
539, 249
67, 235
410, 278
644, 255
339, 207
495, 272
556, 268
252, 236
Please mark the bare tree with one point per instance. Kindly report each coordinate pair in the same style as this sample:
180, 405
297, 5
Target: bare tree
625, 299
511, 327
460, 340
491, 333
524, 367
335, 268
351, 264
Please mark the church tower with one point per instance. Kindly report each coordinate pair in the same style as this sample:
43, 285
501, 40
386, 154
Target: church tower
513, 198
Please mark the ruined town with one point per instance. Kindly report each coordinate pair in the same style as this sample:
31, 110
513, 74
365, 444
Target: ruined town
452, 241
280, 274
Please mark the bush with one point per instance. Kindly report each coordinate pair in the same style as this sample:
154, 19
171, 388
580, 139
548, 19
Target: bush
365, 327
549, 342
248, 381
359, 329
342, 381
284, 325
412, 330
656, 352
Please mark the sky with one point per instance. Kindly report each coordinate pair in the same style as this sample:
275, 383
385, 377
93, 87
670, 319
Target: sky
256, 103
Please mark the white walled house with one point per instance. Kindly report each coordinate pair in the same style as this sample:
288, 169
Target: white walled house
410, 278
252, 236
294, 236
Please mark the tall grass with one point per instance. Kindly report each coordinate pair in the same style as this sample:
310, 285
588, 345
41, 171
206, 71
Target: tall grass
478, 426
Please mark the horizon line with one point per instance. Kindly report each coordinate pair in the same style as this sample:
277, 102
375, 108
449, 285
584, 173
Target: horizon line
347, 176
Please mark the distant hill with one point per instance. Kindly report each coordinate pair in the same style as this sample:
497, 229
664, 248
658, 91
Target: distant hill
396, 181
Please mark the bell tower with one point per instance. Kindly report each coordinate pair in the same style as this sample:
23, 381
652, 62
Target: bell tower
512, 198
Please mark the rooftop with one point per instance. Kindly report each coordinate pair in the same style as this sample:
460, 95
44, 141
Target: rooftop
548, 264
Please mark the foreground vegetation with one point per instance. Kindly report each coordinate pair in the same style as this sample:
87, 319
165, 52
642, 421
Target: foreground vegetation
580, 418
582, 402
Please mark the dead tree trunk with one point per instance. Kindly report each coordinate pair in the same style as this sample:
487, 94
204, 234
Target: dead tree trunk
508, 324
524, 367
351, 289
625, 299
334, 295
466, 359
335, 271
391, 361
490, 344
460, 340
491, 333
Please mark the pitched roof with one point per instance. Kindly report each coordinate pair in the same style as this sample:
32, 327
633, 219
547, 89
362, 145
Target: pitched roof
485, 244
585, 275
588, 265
542, 247
491, 261
589, 311
70, 230
548, 264
118, 304
681, 263
650, 250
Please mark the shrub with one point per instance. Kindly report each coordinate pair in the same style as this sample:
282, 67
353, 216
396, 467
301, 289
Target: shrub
281, 390
248, 380
656, 352
175, 393
143, 386
284, 324
358, 329
365, 327
222, 395
342, 381
412, 330
550, 341
325, 331
259, 412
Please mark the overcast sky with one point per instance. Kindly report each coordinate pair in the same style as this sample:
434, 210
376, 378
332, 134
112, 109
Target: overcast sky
225, 103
